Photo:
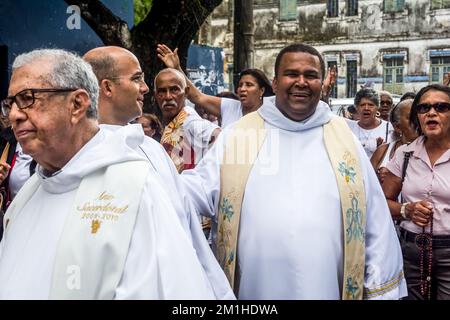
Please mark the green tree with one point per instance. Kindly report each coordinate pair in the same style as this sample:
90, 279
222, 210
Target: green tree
141, 9
172, 22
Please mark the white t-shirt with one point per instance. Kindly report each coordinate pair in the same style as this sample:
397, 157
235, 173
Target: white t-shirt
368, 138
20, 172
230, 110
198, 132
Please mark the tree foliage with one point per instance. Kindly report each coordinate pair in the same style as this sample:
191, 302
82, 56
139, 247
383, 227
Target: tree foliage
141, 9
172, 22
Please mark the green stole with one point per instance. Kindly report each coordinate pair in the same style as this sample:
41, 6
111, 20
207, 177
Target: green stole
241, 150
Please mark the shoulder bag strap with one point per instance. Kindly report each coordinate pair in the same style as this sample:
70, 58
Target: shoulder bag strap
387, 131
406, 158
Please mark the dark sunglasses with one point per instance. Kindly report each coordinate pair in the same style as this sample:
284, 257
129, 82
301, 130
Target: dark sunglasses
440, 107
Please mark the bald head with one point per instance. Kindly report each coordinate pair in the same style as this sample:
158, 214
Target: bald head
105, 61
170, 93
121, 82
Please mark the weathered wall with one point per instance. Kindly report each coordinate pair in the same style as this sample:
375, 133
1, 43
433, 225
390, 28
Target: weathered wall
369, 35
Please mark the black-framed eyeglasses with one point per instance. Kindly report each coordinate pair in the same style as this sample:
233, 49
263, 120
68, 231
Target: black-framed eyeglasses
25, 98
440, 107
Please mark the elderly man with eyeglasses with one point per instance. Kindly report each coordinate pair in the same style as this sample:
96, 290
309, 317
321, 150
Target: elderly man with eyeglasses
94, 221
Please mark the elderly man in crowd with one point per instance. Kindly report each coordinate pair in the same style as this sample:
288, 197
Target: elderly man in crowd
121, 95
280, 233
386, 104
93, 222
186, 137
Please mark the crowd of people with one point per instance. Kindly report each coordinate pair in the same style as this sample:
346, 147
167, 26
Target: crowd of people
223, 200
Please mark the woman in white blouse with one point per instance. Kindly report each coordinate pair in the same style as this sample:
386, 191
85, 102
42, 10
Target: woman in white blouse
370, 130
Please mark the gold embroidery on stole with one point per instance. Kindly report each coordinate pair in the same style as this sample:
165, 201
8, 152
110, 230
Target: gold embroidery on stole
343, 155
341, 149
173, 141
235, 168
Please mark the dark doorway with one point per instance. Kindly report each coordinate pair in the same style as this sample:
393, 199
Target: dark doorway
352, 78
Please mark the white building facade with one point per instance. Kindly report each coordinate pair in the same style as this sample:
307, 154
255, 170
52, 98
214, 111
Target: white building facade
393, 45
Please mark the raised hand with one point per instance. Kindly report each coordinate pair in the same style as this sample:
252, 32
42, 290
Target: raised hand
4, 170
169, 57
330, 80
446, 81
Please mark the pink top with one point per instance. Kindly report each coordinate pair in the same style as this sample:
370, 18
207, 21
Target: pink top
424, 182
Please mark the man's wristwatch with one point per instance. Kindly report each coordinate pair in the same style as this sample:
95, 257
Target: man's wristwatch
403, 210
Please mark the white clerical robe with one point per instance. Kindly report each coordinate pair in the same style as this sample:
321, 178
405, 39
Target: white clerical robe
187, 214
160, 263
290, 243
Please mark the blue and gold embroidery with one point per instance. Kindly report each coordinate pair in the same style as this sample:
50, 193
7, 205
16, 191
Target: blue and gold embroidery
226, 209
347, 172
355, 228
225, 253
229, 261
351, 287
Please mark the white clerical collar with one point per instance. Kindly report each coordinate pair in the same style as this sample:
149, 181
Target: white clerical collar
42, 173
271, 114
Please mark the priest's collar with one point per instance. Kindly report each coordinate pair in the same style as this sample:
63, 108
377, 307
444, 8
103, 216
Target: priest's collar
272, 115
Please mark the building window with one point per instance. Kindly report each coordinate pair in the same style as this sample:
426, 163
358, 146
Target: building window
352, 78
440, 4
333, 8
393, 74
394, 5
439, 67
333, 93
352, 7
288, 10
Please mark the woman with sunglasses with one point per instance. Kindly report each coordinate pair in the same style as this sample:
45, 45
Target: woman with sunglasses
425, 192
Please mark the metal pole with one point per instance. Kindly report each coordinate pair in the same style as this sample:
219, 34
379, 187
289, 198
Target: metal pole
243, 37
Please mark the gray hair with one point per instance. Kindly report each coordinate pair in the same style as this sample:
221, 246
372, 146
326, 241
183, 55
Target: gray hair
368, 94
68, 71
387, 94
177, 73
